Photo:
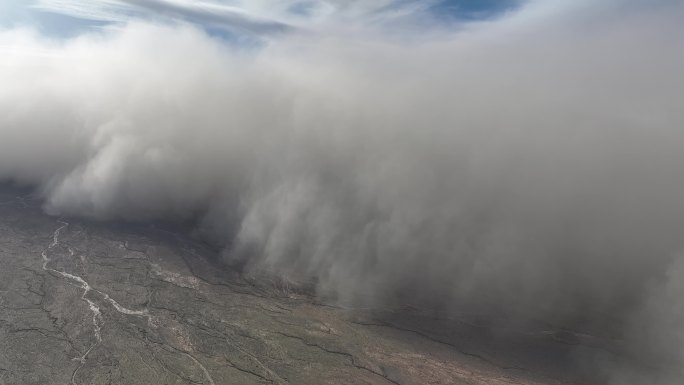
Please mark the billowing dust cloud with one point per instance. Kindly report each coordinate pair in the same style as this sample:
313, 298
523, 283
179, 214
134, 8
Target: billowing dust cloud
533, 163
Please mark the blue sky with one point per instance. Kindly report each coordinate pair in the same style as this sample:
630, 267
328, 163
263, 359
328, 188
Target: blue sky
474, 9
65, 18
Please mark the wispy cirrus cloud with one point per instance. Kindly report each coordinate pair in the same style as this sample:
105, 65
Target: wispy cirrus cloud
241, 17
209, 14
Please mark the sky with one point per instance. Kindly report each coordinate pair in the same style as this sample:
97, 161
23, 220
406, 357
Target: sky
255, 19
522, 158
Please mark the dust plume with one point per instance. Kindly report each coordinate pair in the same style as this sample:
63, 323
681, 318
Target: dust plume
532, 163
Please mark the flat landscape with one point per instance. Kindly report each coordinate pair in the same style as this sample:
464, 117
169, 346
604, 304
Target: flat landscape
88, 303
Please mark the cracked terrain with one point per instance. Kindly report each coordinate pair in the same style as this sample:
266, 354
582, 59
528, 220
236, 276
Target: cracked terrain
93, 303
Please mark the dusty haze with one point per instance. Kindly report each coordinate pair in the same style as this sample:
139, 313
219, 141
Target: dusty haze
532, 164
